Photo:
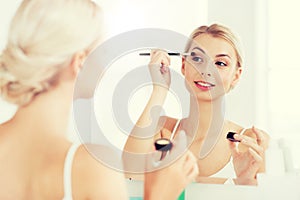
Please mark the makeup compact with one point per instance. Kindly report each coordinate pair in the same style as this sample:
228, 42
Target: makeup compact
230, 137
163, 145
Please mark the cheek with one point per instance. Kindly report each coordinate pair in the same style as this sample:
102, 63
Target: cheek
189, 77
226, 79
190, 72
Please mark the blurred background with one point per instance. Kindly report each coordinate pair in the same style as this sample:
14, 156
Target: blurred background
267, 94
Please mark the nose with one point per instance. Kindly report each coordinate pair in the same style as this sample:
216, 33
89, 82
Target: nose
206, 69
207, 73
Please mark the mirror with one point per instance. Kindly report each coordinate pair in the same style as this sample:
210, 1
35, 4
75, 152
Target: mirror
257, 99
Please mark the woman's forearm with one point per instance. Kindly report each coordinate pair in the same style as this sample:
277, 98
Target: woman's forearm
142, 134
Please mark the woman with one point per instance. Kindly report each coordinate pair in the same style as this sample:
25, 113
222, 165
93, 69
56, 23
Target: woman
212, 67
47, 44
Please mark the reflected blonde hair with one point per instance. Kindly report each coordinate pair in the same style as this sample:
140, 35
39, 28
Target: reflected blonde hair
43, 38
223, 32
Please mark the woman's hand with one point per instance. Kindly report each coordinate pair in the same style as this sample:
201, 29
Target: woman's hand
159, 68
248, 160
168, 179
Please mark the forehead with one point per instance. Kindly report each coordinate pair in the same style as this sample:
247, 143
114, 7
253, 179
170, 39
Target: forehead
213, 45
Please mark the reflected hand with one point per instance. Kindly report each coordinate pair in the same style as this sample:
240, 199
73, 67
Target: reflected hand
159, 68
248, 160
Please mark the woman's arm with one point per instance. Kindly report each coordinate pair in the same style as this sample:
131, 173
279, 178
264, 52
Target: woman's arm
148, 125
141, 137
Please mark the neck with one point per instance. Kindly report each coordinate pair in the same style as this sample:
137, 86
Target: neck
206, 117
48, 113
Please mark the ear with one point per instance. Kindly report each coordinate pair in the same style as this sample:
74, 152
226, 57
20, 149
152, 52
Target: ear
236, 77
183, 66
77, 62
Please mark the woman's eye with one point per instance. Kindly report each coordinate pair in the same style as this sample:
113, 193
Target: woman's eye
222, 64
197, 59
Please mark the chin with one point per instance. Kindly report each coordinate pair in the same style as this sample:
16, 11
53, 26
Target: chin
209, 97
204, 98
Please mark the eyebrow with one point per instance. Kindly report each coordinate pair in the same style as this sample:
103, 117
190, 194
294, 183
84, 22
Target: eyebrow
198, 48
217, 56
223, 55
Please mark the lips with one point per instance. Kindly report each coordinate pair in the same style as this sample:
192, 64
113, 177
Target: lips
203, 85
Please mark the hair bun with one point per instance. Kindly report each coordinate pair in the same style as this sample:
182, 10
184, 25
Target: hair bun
12, 90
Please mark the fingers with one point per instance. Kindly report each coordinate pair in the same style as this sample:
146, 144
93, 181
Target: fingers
160, 57
257, 161
249, 158
159, 68
234, 149
168, 182
190, 166
250, 142
262, 137
244, 137
253, 145
255, 155
258, 141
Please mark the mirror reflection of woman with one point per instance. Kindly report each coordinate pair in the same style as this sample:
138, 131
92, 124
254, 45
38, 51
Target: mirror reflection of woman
212, 68
47, 44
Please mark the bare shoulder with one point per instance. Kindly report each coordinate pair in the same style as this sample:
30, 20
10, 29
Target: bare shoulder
232, 126
95, 175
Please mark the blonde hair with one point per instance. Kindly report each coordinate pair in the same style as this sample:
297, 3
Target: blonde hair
220, 31
43, 38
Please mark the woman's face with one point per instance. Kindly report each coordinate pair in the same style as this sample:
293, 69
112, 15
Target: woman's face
211, 70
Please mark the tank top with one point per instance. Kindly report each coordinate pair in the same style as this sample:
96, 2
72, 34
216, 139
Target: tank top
68, 171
